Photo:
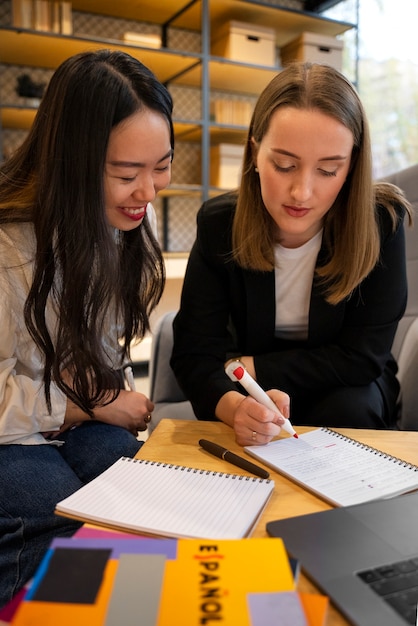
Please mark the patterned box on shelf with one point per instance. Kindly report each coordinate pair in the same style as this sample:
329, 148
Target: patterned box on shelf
313, 47
225, 165
244, 42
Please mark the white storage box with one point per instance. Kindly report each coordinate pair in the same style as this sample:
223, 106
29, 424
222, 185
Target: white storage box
315, 48
240, 41
225, 165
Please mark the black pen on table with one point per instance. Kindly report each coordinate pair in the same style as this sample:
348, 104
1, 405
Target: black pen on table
231, 457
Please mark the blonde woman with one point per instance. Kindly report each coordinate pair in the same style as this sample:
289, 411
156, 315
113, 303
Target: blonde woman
300, 273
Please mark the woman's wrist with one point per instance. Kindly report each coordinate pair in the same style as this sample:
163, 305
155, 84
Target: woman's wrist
248, 363
236, 359
227, 405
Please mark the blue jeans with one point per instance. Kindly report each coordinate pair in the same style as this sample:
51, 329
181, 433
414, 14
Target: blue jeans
33, 479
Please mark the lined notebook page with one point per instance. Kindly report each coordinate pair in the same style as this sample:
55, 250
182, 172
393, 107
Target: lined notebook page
170, 500
337, 468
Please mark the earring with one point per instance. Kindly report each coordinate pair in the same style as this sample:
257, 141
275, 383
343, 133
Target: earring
256, 169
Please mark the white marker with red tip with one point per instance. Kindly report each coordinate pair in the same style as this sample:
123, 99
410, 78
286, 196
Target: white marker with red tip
237, 372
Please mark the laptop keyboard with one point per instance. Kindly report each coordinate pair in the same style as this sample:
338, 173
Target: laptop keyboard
397, 584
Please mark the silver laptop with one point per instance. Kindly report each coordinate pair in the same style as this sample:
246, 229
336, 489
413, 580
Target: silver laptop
364, 557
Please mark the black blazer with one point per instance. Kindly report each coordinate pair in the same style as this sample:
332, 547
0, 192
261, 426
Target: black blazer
226, 310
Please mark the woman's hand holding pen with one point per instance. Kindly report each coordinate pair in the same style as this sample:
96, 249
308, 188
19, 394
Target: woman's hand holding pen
252, 419
255, 424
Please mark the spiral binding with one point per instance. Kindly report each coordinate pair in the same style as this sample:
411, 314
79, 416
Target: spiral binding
195, 470
379, 453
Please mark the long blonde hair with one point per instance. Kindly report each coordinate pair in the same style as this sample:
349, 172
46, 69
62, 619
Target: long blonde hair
350, 229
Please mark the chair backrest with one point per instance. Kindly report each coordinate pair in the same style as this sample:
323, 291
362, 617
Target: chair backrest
163, 384
407, 180
169, 400
405, 345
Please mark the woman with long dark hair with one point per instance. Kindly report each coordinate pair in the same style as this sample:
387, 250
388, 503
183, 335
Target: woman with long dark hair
80, 272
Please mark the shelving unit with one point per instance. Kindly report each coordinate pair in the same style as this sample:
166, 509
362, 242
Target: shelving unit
175, 67
48, 50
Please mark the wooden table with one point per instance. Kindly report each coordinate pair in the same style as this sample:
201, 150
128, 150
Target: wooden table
176, 441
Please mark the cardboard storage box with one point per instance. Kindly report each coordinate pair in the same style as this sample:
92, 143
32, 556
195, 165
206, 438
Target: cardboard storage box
240, 41
225, 165
315, 48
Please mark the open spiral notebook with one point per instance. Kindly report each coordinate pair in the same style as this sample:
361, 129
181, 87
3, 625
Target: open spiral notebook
162, 499
337, 468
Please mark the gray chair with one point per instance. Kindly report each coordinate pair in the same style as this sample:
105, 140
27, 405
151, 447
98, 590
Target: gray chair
165, 392
170, 402
405, 345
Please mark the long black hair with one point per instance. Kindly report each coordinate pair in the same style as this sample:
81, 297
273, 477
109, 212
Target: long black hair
96, 278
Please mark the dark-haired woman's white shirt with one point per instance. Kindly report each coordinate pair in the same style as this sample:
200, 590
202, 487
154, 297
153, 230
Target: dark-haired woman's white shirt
23, 410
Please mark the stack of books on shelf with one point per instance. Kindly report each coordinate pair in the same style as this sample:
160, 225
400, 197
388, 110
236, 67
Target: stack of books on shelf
147, 40
107, 579
233, 112
43, 15
226, 165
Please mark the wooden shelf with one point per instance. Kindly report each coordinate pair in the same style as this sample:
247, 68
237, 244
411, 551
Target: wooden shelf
21, 116
17, 117
48, 50
187, 131
192, 191
142, 10
234, 76
176, 67
288, 23
225, 133
218, 133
